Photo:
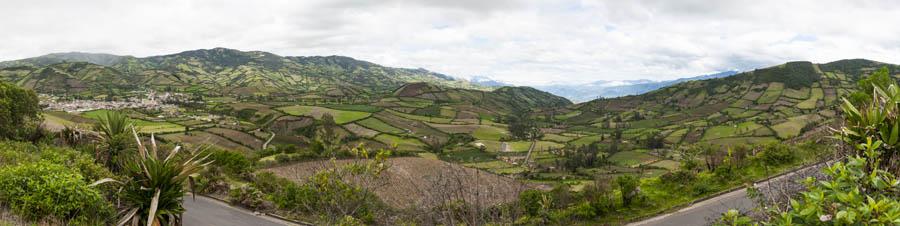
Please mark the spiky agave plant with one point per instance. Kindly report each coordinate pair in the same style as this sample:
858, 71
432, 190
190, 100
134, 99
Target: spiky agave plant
113, 128
156, 180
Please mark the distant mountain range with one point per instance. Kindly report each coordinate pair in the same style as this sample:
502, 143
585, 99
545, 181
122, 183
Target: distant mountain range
608, 89
218, 71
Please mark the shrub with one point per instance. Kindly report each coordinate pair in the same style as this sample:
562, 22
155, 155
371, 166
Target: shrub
231, 162
584, 211
680, 177
44, 189
777, 154
247, 196
530, 200
629, 186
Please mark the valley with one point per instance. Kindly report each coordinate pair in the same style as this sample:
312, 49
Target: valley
496, 142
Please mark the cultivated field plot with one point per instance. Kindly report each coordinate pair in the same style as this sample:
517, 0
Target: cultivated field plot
199, 139
238, 136
440, 120
793, 126
742, 140
482, 132
630, 158
817, 94
360, 130
557, 138
375, 124
57, 120
403, 144
523, 146
261, 109
413, 182
772, 93
143, 126
340, 116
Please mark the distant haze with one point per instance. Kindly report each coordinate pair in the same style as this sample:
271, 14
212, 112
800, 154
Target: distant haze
527, 42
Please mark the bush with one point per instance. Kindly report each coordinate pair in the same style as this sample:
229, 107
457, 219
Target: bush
247, 196
530, 200
680, 177
584, 211
777, 154
231, 162
629, 186
44, 189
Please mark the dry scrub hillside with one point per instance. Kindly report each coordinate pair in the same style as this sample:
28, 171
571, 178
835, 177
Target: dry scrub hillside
412, 182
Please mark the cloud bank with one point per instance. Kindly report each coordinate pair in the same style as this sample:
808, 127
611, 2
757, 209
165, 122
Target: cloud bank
525, 42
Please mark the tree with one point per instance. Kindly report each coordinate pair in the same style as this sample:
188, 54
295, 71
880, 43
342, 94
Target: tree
522, 126
629, 186
19, 112
326, 136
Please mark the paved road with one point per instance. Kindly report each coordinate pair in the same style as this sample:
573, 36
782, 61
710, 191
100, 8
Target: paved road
209, 212
702, 213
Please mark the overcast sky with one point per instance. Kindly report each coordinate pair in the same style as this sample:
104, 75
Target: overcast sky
523, 42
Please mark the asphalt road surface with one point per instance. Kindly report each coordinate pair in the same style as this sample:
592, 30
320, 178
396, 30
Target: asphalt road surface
210, 212
702, 213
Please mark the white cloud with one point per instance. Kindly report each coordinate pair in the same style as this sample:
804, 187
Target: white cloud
524, 42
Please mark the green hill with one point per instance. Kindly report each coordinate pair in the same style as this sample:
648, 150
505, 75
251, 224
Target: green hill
215, 72
766, 104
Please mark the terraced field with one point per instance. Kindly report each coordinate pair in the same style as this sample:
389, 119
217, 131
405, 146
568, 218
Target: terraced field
340, 116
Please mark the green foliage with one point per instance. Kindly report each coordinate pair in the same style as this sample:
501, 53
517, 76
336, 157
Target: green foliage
231, 162
155, 183
246, 114
530, 200
629, 186
860, 190
734, 218
43, 189
853, 195
331, 193
113, 127
774, 154
880, 79
19, 111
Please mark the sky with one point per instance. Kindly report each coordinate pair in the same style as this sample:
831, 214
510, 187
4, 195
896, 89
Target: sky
527, 42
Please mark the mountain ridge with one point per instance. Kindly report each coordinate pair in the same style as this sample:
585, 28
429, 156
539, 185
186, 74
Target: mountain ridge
229, 71
609, 89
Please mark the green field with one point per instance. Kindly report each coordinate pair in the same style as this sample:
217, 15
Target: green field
353, 107
817, 94
717, 132
422, 118
557, 138
143, 126
630, 158
585, 140
403, 144
792, 127
489, 133
772, 93
375, 124
340, 116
